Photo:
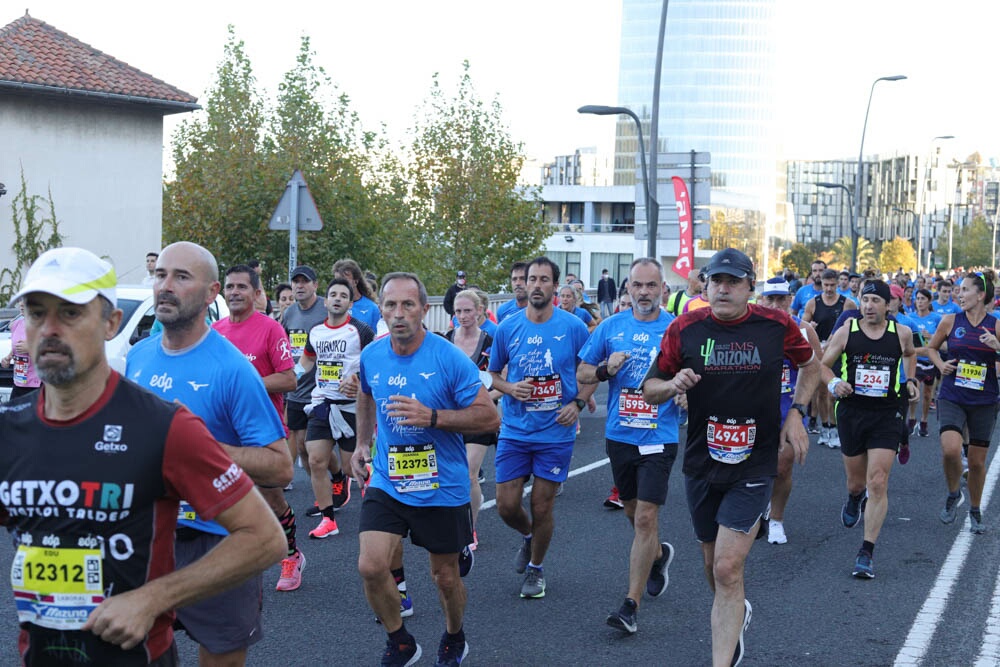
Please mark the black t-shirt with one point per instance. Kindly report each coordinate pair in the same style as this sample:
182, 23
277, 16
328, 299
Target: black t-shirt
826, 316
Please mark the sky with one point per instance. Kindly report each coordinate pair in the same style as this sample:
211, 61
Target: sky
545, 58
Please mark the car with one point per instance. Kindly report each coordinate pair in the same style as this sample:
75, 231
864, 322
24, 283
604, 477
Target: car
136, 303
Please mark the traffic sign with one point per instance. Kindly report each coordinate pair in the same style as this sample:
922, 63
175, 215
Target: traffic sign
308, 215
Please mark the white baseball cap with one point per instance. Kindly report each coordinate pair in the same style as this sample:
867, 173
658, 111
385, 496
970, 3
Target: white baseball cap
73, 274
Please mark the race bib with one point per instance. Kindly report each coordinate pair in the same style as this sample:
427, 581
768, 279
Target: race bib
786, 378
298, 340
871, 381
633, 411
730, 440
546, 393
20, 370
328, 374
970, 375
185, 512
56, 588
413, 467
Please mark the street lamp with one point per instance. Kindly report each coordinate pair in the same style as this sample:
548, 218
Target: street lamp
857, 176
652, 207
925, 184
854, 229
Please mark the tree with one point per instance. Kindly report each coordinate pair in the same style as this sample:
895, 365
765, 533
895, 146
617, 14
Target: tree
466, 205
973, 244
842, 249
798, 258
33, 235
897, 253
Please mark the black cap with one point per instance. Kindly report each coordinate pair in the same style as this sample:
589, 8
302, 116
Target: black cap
460, 274
730, 261
303, 271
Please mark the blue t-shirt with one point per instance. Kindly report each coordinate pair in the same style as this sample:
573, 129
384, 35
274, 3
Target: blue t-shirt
508, 308
949, 308
546, 354
847, 293
925, 326
215, 381
367, 311
428, 466
805, 294
583, 315
631, 419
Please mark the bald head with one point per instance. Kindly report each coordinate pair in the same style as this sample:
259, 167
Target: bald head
195, 258
186, 281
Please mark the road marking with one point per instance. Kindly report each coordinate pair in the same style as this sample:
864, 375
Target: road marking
572, 473
933, 610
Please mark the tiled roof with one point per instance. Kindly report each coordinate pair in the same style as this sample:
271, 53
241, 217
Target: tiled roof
34, 53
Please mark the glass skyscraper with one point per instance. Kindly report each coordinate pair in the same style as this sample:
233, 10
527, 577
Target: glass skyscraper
717, 94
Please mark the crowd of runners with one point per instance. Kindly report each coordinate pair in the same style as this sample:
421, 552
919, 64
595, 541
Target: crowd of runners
169, 519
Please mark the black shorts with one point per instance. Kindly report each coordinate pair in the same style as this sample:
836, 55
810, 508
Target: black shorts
861, 430
440, 530
927, 373
641, 476
736, 505
979, 418
488, 439
319, 427
295, 414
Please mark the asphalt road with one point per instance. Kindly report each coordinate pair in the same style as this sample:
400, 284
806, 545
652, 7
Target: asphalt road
931, 603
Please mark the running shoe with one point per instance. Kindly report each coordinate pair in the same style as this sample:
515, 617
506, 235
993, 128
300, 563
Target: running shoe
523, 556
911, 426
976, 526
466, 559
451, 654
314, 510
813, 426
834, 441
824, 436
951, 505
291, 572
326, 528
747, 615
864, 568
534, 583
402, 654
624, 618
933, 404
903, 454
559, 489
659, 578
405, 606
853, 509
776, 532
613, 502
923, 430
481, 476
291, 486
341, 492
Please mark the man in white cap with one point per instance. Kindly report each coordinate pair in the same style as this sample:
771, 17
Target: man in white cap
110, 542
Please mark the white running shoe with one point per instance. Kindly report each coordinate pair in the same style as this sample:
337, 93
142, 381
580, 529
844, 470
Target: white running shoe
776, 532
824, 435
834, 441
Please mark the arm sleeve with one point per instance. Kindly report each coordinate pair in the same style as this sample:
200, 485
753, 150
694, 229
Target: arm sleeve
197, 469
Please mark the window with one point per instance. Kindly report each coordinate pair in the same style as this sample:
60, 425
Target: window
616, 263
568, 262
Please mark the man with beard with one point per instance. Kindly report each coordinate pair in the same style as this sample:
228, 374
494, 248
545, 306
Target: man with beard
194, 365
88, 423
334, 349
810, 290
541, 407
363, 308
518, 276
641, 439
265, 345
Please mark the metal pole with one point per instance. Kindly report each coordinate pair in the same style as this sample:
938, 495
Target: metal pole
652, 176
293, 226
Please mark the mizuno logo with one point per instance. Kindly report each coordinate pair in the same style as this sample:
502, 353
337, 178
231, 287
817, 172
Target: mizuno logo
559, 337
195, 385
427, 376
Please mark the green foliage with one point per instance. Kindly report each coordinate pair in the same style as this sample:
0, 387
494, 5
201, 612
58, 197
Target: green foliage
973, 244
463, 189
841, 252
896, 253
799, 259
33, 235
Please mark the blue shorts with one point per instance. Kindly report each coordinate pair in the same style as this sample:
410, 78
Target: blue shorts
517, 458
735, 505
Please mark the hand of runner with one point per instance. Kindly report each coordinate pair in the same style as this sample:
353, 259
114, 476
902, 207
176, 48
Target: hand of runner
948, 367
568, 415
616, 361
685, 379
522, 390
408, 411
349, 386
793, 434
842, 389
989, 339
360, 459
591, 405
123, 619
682, 401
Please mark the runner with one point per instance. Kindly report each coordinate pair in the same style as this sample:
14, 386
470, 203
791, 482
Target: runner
569, 298
812, 289
194, 365
25, 378
775, 294
518, 276
265, 345
641, 440
944, 305
675, 304
872, 352
285, 297
119, 531
334, 349
822, 312
732, 349
421, 391
968, 398
541, 406
363, 309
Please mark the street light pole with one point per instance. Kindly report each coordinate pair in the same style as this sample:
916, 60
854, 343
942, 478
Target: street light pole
854, 228
857, 176
651, 203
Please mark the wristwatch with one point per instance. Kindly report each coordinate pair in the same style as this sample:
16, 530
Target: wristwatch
803, 410
580, 404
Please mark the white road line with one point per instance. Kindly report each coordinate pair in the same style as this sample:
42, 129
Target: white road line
572, 473
933, 610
